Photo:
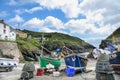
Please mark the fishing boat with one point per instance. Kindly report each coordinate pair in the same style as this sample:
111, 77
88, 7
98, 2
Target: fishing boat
7, 64
43, 60
76, 61
46, 60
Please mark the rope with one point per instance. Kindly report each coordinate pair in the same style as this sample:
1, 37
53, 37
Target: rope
73, 59
83, 74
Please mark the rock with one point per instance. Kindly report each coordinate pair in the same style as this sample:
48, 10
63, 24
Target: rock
10, 49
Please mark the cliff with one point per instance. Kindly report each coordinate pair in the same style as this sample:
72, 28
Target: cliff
29, 48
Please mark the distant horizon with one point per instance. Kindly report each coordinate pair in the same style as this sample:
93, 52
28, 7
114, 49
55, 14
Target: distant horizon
89, 20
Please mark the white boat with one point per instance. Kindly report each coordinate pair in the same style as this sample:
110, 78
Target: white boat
7, 64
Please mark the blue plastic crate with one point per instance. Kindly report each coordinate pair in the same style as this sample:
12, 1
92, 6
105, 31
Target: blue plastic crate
70, 71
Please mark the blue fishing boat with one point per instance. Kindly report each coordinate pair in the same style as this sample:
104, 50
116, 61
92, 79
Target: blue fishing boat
73, 59
76, 61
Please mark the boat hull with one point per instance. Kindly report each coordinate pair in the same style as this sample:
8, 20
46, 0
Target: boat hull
75, 61
45, 60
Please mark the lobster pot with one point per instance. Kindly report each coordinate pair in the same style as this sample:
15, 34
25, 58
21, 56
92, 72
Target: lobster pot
104, 67
31, 74
27, 75
28, 71
104, 71
104, 76
28, 67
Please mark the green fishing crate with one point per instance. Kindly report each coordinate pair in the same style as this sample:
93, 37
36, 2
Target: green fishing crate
45, 60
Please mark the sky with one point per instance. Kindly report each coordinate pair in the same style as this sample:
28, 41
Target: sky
90, 20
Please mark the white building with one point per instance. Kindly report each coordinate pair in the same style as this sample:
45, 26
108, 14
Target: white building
6, 32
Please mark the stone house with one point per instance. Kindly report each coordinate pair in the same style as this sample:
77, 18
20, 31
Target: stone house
20, 34
6, 32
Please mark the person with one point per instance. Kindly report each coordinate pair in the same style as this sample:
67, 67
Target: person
65, 51
16, 59
96, 53
58, 52
111, 47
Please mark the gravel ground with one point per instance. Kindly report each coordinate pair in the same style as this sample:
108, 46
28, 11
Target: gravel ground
15, 74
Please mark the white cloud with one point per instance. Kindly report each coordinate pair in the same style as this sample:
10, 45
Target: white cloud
46, 24
76, 26
17, 19
46, 29
109, 8
12, 2
102, 17
19, 11
34, 23
53, 22
95, 11
3, 14
83, 26
70, 8
26, 1
105, 14
94, 40
20, 2
32, 10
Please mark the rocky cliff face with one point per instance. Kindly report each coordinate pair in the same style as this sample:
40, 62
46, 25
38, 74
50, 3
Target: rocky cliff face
10, 49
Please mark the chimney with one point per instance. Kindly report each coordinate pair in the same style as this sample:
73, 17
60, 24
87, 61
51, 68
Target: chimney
2, 21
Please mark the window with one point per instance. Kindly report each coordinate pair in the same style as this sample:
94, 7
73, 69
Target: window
6, 37
4, 31
12, 34
4, 25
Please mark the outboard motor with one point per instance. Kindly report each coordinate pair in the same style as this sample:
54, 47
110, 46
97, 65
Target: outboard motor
28, 71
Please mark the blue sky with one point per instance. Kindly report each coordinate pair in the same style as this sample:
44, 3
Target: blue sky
90, 20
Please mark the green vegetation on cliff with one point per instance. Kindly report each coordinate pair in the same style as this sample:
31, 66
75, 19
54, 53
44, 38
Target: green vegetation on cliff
27, 44
51, 41
115, 35
30, 47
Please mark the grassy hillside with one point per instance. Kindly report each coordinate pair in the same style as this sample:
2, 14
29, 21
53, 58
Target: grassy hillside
51, 41
31, 46
115, 35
